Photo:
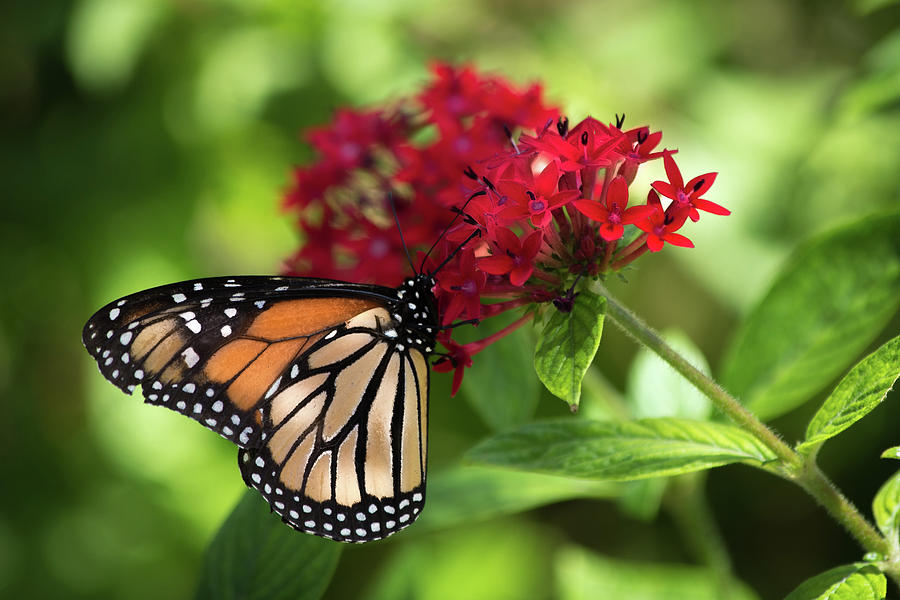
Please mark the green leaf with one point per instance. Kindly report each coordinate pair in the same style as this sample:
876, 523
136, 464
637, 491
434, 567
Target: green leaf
584, 575
863, 388
499, 386
886, 507
620, 451
829, 302
893, 452
471, 493
567, 346
655, 389
255, 555
859, 581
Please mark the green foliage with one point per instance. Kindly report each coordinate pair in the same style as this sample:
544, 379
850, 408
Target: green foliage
620, 451
254, 555
886, 508
831, 299
495, 385
567, 346
468, 494
584, 575
859, 581
891, 453
864, 387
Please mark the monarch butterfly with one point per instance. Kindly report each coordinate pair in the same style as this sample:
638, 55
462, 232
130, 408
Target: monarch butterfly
322, 384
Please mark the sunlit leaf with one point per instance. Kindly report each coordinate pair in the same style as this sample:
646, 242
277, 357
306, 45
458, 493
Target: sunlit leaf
859, 581
863, 388
584, 575
886, 507
893, 452
827, 304
255, 555
567, 346
471, 493
620, 451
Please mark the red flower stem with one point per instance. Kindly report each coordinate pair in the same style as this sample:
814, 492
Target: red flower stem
588, 182
480, 345
544, 276
607, 256
627, 259
637, 243
490, 310
802, 470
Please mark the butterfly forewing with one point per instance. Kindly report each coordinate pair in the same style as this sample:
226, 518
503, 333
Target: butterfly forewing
324, 383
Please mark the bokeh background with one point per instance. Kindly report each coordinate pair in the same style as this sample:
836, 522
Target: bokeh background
149, 141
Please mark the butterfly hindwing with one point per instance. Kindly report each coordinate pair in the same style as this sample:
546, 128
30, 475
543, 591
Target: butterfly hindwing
346, 434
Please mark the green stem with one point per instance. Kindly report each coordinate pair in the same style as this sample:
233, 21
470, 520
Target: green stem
802, 470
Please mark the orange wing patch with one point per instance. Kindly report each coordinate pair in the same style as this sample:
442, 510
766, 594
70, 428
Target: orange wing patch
296, 318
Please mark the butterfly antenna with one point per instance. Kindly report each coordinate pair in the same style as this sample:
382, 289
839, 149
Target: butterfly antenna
400, 231
475, 233
459, 212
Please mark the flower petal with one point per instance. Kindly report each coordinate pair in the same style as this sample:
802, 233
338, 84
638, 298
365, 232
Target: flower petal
672, 171
592, 210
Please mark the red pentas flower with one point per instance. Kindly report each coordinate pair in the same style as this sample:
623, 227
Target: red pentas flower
614, 215
521, 208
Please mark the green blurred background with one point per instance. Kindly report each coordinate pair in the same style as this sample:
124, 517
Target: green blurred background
148, 141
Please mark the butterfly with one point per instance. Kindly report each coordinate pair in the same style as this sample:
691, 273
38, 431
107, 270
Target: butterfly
322, 384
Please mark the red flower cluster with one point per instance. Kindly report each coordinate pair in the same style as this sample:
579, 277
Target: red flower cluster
541, 210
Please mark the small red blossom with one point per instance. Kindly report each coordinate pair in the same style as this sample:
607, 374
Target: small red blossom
614, 215
661, 226
536, 201
463, 286
514, 257
457, 359
687, 195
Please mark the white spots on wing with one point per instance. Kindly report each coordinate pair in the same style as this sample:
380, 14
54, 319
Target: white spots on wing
189, 388
194, 325
404, 518
105, 353
232, 284
120, 302
230, 312
181, 405
125, 338
198, 286
281, 288
390, 524
273, 388
345, 532
391, 333
227, 430
125, 358
308, 509
260, 462
411, 305
109, 334
198, 408
417, 497
256, 478
404, 503
225, 331
237, 296
115, 373
245, 435
295, 370
210, 392
191, 358
331, 334
179, 298
114, 314
218, 406
372, 508
187, 316
212, 423
205, 302
389, 509
375, 527
157, 385
139, 374
108, 361
235, 419
294, 514
260, 303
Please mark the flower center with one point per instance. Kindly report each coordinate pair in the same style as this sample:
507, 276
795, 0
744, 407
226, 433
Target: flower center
537, 205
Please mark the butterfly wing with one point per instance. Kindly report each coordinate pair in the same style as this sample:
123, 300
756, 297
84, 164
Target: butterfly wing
345, 436
310, 376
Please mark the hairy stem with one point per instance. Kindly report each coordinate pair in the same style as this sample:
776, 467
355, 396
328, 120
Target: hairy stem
801, 470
